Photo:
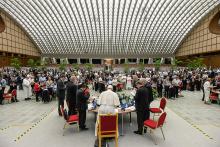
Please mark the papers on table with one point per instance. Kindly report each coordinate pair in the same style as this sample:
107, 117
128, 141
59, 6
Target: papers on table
133, 93
132, 108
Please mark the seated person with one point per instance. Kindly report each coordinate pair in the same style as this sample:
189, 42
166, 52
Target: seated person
108, 101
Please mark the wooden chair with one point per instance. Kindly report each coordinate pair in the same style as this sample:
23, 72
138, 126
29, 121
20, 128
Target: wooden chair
108, 127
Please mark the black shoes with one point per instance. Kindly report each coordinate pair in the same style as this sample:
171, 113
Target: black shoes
138, 132
84, 129
145, 130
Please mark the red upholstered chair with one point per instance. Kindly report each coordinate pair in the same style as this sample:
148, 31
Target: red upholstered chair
213, 97
70, 120
108, 127
14, 94
7, 97
161, 108
153, 125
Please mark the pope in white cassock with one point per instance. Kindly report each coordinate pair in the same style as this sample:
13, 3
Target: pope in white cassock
108, 101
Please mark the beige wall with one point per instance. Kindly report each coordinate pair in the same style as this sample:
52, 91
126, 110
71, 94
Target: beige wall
200, 40
15, 40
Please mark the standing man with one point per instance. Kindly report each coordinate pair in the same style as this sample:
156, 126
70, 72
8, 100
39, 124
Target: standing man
71, 89
27, 88
207, 90
82, 98
141, 105
61, 92
3, 83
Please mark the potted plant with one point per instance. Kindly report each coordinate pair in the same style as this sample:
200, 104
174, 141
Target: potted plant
16, 63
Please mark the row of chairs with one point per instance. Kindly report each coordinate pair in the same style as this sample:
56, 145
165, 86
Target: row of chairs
152, 124
108, 124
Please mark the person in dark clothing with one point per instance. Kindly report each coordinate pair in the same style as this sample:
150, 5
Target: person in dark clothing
19, 82
141, 105
1, 95
71, 89
82, 98
61, 93
13, 86
184, 81
159, 87
192, 84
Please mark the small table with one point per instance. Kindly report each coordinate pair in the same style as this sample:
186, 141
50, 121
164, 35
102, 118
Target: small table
122, 117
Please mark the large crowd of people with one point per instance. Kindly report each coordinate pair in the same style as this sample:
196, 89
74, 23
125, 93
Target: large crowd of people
72, 86
167, 84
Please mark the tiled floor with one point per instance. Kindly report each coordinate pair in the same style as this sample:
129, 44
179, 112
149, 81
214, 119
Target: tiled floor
190, 123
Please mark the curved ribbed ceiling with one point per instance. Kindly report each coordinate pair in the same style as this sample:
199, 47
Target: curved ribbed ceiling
108, 28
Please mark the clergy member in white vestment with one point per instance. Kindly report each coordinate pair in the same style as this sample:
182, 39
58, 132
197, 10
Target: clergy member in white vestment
27, 87
108, 101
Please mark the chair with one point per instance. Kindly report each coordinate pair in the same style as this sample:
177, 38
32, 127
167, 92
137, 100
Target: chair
153, 125
70, 120
159, 110
108, 127
14, 94
7, 97
213, 97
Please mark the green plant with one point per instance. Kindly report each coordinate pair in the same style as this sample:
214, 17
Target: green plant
63, 65
16, 63
157, 64
75, 66
197, 62
176, 63
141, 66
31, 63
88, 66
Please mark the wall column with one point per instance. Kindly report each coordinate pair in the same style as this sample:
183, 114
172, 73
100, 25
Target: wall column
78, 61
113, 61
162, 61
90, 60
138, 61
102, 61
42, 60
54, 60
126, 60
150, 61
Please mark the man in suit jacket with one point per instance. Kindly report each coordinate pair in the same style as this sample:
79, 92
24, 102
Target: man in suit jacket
61, 87
71, 89
82, 98
141, 105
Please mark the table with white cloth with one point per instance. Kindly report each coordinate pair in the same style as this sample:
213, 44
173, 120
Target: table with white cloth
120, 112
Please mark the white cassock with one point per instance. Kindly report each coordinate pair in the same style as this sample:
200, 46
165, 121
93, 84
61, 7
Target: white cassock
207, 90
108, 100
27, 88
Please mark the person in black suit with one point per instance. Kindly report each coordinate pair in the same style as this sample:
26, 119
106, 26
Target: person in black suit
82, 98
71, 89
61, 87
142, 105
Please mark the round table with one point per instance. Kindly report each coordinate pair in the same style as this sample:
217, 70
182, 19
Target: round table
122, 112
